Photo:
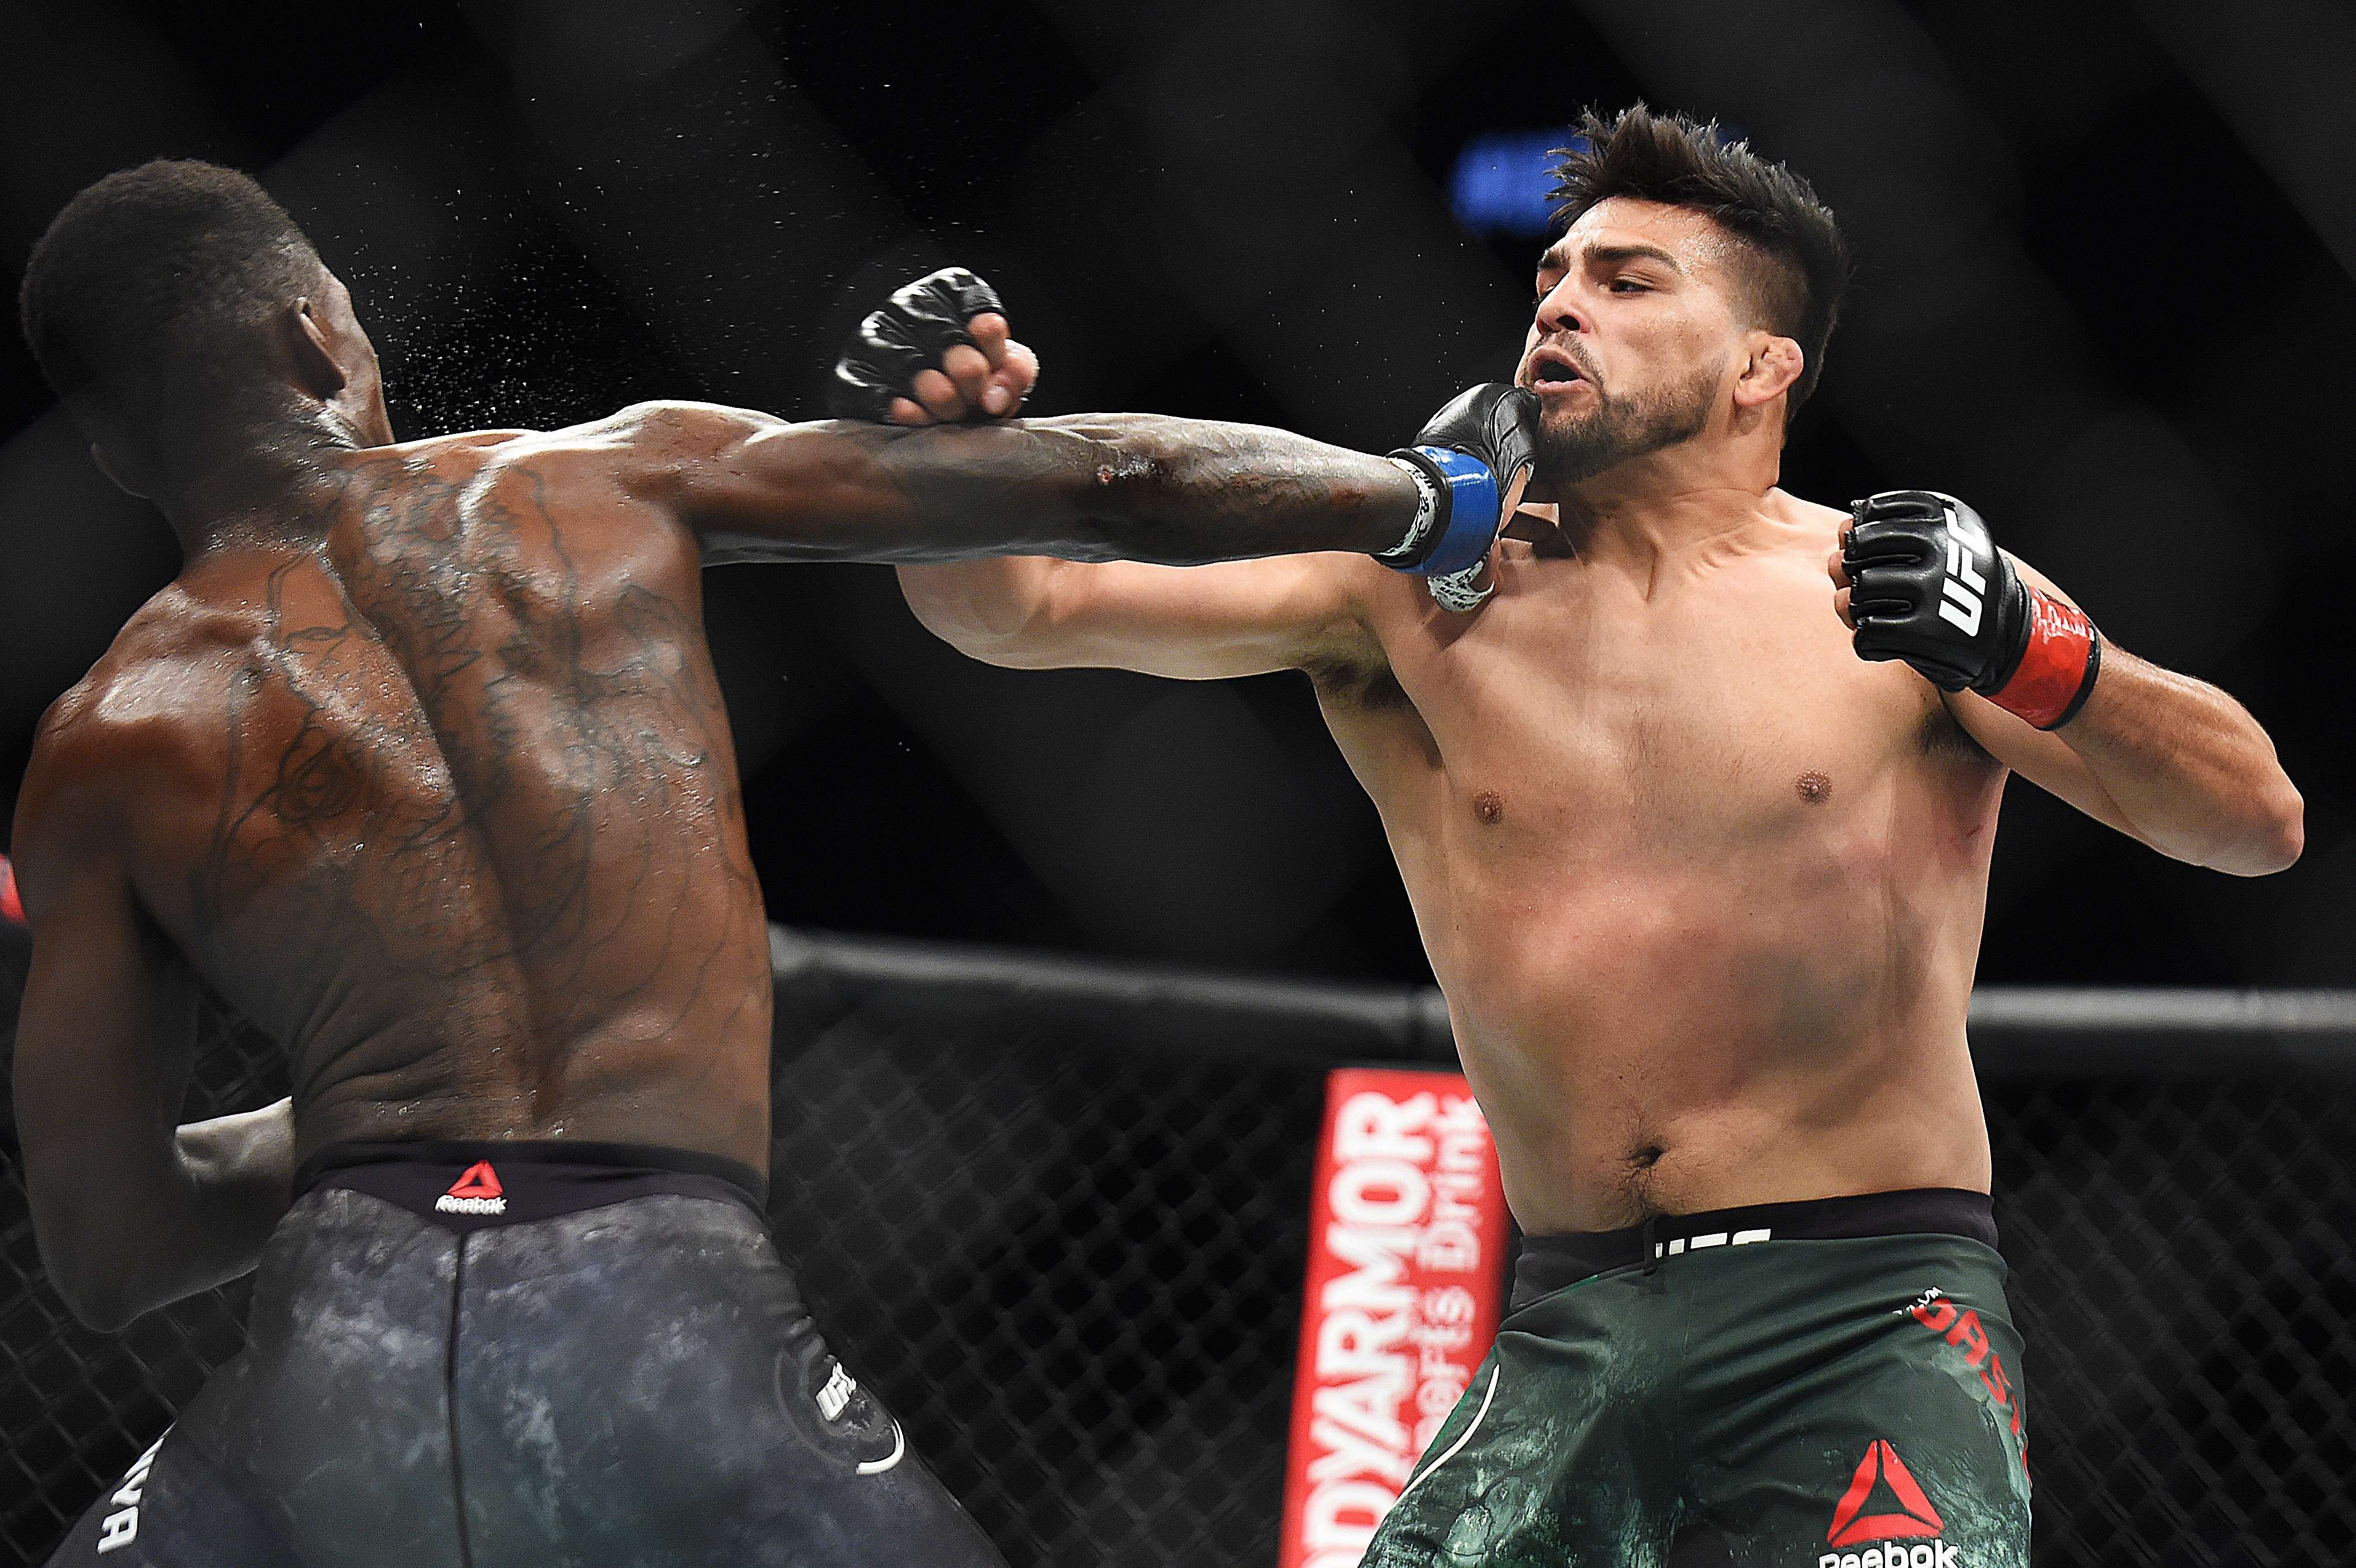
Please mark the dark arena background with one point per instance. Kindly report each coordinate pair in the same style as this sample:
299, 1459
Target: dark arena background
2107, 291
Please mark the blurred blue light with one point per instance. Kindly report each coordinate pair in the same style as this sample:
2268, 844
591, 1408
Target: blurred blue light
1501, 178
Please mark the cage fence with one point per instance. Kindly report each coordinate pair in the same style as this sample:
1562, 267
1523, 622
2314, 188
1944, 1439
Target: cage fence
1056, 1212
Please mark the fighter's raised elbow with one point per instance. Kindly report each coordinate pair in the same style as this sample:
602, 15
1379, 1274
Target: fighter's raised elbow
2267, 835
2279, 836
96, 1252
99, 1295
108, 1313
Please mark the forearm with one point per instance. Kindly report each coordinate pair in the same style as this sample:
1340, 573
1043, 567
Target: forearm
2171, 760
1087, 488
1183, 491
2189, 769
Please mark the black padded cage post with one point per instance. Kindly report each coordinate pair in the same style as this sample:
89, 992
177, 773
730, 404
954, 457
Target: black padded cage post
1057, 1211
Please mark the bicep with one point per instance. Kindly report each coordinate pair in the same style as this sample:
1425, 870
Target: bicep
752, 486
1188, 623
103, 1045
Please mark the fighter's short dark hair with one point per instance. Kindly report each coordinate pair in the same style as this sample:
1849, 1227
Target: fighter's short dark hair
152, 280
1799, 261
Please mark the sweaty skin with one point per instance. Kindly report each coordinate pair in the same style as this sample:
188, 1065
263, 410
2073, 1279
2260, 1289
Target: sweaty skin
446, 800
1704, 890
421, 765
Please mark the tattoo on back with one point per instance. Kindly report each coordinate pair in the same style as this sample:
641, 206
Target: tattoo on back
481, 809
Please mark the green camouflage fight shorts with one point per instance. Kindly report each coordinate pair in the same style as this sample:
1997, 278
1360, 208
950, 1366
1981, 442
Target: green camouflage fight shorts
1833, 1384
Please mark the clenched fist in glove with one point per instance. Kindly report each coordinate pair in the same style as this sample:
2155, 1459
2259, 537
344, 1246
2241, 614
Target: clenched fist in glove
937, 353
1472, 461
1921, 581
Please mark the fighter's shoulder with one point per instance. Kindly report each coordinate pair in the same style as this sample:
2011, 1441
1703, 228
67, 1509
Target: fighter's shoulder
1813, 521
450, 457
100, 755
142, 691
668, 427
145, 726
110, 728
1796, 565
635, 449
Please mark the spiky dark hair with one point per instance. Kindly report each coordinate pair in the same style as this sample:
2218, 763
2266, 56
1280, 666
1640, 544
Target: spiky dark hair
1800, 262
148, 284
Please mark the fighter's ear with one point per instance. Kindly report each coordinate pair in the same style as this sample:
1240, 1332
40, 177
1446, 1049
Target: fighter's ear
315, 356
1772, 369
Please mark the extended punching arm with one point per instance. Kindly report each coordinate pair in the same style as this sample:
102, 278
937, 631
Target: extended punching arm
937, 349
1085, 487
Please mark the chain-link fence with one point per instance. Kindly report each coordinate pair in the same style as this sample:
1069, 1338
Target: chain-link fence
1057, 1213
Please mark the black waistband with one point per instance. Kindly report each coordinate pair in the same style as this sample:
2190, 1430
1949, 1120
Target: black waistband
1548, 1263
466, 1184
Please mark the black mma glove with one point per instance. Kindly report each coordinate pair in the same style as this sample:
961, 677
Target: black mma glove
1928, 586
1465, 460
922, 321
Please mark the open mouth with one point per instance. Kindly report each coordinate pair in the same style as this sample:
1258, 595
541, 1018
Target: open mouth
1553, 369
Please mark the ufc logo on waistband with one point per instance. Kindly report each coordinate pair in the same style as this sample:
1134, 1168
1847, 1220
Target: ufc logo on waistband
1963, 593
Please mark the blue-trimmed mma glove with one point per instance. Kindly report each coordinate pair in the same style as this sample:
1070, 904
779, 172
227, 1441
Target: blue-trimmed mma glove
1927, 585
920, 322
1467, 460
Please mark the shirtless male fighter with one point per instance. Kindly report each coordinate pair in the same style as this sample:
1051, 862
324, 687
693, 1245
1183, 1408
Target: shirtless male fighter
419, 765
1704, 888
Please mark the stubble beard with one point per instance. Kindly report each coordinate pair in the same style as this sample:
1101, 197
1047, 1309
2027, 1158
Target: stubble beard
1624, 427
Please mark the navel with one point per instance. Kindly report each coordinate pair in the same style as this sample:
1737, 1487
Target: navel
1489, 807
1814, 788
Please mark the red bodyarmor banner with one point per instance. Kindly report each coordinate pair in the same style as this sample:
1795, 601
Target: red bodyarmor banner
1406, 1251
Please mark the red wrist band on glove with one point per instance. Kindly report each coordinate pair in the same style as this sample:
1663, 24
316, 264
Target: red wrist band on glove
2057, 669
11, 907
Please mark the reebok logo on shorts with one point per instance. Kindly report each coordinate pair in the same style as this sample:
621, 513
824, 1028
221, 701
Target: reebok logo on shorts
1885, 1503
477, 1192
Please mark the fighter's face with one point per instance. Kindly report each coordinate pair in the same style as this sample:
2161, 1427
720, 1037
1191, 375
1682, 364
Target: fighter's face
1631, 338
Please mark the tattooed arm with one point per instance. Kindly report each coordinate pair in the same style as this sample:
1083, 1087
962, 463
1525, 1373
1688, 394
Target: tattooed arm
130, 1211
1087, 487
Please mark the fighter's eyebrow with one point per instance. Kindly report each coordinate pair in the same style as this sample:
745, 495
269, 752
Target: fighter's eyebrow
1609, 254
1556, 261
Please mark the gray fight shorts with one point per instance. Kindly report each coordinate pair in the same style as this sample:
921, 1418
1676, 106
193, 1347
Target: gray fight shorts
486, 1355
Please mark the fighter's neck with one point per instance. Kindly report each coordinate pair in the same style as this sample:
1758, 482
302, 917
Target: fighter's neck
273, 486
1648, 513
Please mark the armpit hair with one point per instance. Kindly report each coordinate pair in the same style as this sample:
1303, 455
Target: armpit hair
1943, 734
1369, 686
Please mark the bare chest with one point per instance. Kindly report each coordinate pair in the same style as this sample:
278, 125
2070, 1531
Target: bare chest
1573, 715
